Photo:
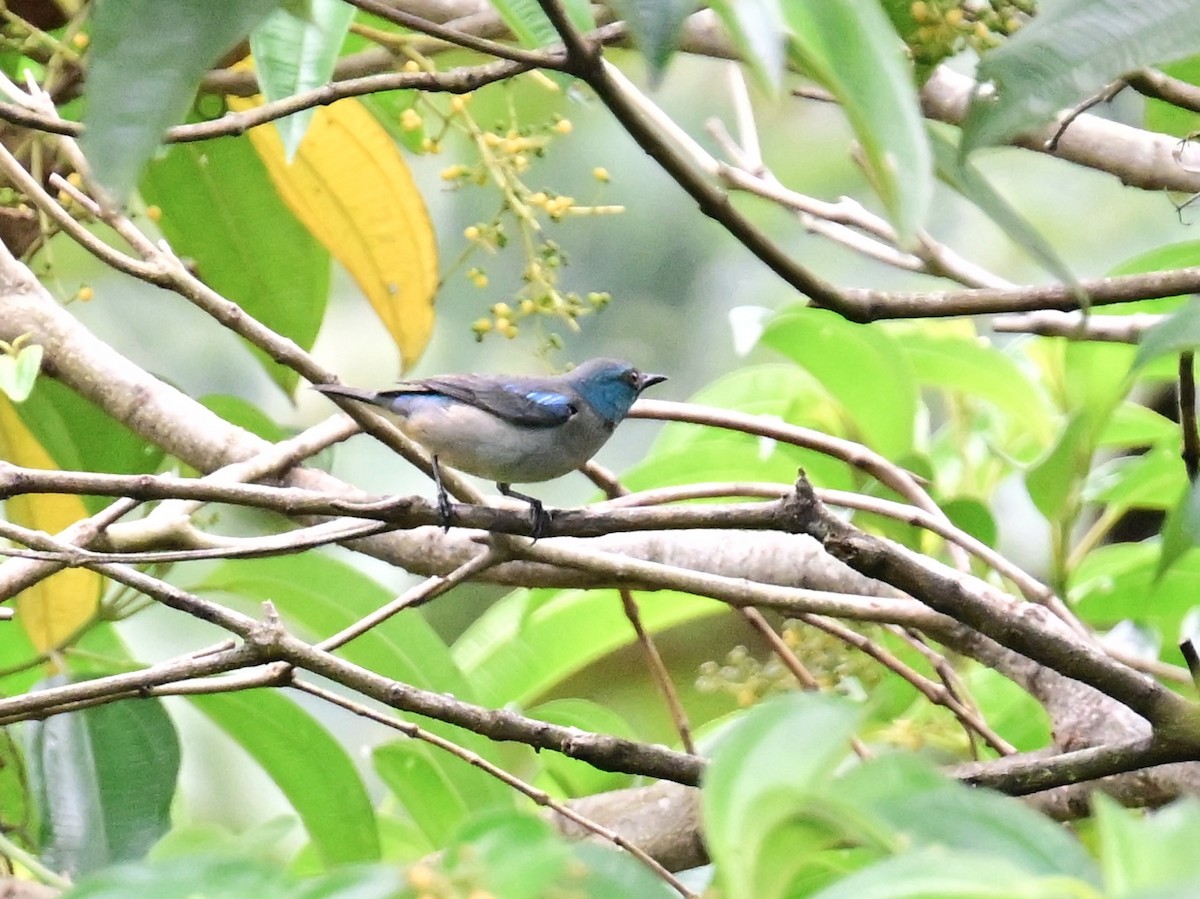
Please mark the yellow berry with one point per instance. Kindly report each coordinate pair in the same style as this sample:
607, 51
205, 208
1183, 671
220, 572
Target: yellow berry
492, 139
501, 311
600, 173
80, 40
431, 146
422, 877
154, 213
920, 12
411, 66
527, 306
981, 31
410, 119
508, 329
458, 104
954, 17
509, 145
479, 279
563, 126
537, 199
482, 325
75, 179
453, 172
559, 206
85, 294
471, 232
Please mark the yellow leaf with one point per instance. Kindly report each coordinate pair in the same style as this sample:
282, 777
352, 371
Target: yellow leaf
54, 608
349, 185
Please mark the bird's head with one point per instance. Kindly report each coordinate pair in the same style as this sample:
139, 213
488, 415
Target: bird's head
610, 386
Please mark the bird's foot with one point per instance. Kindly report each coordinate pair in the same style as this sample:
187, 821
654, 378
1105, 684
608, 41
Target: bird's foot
539, 518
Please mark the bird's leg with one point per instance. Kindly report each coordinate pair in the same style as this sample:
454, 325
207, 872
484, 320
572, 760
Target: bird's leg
443, 499
537, 512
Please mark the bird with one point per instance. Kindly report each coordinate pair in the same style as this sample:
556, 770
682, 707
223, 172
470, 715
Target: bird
510, 429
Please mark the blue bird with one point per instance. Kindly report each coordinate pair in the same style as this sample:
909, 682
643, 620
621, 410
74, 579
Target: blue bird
511, 429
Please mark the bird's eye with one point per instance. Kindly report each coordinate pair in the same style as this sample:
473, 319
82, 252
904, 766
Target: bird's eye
631, 376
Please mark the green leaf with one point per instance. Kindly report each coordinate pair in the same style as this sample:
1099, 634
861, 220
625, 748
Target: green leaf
19, 371
852, 49
187, 877
236, 876
80, 436
1118, 582
220, 209
1132, 425
102, 779
420, 780
1055, 480
1167, 117
246, 415
655, 26
684, 453
609, 873
529, 24
861, 365
974, 366
321, 596
295, 53
973, 517
1145, 854
308, 765
931, 810
931, 873
713, 455
520, 857
1178, 333
1011, 712
757, 30
1148, 481
145, 60
1175, 255
1070, 50
1181, 531
954, 169
574, 777
16, 805
532, 640
748, 798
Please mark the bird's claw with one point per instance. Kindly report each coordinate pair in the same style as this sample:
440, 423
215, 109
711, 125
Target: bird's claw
540, 520
445, 512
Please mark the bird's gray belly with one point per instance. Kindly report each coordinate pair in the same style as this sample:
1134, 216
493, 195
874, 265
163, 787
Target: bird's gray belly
478, 443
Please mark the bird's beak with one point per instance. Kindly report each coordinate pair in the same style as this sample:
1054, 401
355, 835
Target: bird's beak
648, 380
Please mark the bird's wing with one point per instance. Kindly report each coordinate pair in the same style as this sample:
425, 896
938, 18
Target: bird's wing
520, 402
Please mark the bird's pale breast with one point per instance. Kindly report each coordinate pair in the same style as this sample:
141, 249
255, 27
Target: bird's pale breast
479, 443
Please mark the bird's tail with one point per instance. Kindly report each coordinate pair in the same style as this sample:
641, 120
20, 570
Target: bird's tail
352, 393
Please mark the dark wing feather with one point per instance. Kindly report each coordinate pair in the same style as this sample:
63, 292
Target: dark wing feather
521, 402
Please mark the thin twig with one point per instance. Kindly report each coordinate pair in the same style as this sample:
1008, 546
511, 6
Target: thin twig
541, 797
1187, 415
792, 662
658, 671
